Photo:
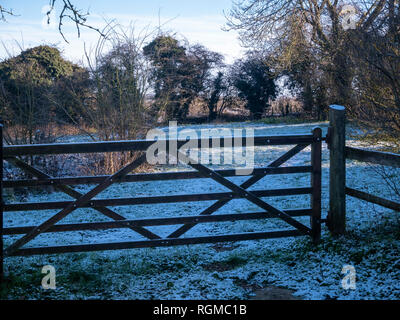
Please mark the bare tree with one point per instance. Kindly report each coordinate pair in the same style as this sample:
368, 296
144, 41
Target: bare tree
5, 12
119, 75
316, 26
377, 54
68, 11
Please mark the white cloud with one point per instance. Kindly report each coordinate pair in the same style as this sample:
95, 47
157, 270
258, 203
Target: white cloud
205, 30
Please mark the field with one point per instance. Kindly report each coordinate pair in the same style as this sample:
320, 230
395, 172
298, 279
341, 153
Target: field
291, 268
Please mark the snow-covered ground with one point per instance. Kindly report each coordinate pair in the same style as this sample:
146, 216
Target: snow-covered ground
225, 271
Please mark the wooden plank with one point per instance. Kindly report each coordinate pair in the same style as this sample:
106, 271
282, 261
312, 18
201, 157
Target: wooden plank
247, 184
75, 204
153, 200
373, 199
375, 157
139, 145
337, 195
157, 222
276, 164
156, 243
316, 183
184, 175
75, 194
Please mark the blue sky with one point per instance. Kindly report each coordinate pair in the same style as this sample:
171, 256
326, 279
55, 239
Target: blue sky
197, 21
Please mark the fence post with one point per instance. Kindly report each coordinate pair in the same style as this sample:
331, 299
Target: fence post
316, 159
1, 205
337, 181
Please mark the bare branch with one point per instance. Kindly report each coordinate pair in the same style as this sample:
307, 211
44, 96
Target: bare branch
70, 12
5, 12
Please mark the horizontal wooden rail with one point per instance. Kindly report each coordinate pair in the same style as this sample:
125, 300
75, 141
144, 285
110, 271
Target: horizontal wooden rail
153, 200
156, 243
183, 175
140, 145
375, 157
157, 222
373, 199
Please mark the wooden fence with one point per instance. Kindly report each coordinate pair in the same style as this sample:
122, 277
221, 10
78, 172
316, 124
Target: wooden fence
339, 152
13, 154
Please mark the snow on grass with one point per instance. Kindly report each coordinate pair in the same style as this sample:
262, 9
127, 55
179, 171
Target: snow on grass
206, 271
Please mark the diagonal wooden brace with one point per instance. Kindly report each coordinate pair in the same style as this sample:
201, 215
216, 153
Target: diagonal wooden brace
247, 184
250, 197
75, 194
75, 205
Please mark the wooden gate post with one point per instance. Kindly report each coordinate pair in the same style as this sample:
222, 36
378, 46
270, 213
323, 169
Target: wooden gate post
316, 159
337, 181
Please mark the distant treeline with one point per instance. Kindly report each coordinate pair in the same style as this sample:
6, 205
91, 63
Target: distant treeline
128, 87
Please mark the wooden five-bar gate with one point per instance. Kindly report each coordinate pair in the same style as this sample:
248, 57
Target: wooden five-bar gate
336, 218
13, 154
